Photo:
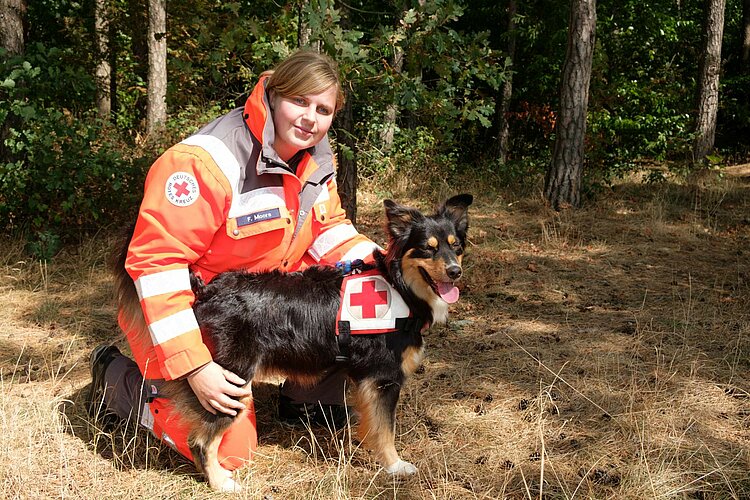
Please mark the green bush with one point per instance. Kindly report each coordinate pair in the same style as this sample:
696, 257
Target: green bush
61, 171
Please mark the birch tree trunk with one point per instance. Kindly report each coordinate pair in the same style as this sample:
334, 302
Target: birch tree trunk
103, 69
157, 66
708, 80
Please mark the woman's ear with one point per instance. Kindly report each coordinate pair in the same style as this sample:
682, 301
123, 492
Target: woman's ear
271, 99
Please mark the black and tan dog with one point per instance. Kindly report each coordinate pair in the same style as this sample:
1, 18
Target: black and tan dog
271, 324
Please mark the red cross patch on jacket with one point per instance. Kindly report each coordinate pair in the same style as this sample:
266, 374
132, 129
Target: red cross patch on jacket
370, 304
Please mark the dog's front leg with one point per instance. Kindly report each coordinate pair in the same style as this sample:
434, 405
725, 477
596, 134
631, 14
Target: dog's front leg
377, 408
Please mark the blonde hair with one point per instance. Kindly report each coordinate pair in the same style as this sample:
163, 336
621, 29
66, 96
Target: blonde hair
305, 72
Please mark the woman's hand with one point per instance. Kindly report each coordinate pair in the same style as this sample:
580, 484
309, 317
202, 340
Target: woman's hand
216, 389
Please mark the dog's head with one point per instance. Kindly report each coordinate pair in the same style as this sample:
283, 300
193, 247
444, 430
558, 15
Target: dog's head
429, 249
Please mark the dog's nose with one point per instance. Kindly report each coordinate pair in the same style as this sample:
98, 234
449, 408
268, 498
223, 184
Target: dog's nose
453, 272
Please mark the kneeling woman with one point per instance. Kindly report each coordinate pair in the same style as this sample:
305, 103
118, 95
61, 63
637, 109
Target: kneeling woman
255, 189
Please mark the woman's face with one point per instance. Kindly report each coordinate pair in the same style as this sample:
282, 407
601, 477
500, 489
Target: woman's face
301, 121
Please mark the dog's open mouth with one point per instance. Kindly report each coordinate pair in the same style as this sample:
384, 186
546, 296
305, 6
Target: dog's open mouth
446, 290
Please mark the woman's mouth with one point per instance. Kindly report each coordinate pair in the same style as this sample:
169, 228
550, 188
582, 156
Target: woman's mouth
303, 131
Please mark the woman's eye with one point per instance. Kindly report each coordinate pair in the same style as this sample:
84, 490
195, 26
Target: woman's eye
299, 100
324, 111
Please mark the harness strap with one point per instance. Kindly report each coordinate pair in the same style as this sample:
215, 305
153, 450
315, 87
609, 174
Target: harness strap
355, 266
343, 339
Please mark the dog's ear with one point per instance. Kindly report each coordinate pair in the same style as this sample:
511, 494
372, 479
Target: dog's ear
400, 218
456, 209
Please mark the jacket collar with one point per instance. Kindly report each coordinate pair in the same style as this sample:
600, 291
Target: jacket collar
257, 115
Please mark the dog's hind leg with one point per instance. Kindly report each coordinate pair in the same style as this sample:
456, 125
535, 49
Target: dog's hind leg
376, 403
205, 449
204, 445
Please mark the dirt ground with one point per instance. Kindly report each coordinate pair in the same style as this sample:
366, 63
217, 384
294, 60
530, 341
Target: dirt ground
595, 353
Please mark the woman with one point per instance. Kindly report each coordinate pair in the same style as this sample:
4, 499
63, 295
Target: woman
254, 189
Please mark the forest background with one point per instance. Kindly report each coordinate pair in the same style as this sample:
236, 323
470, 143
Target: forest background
599, 349
435, 90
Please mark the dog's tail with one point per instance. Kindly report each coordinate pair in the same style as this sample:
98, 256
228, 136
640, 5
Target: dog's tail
126, 296
199, 287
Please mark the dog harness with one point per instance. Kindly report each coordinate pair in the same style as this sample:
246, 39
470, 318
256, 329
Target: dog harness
369, 306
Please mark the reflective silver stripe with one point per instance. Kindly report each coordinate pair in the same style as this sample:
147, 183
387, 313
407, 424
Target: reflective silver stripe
147, 419
172, 326
174, 280
242, 203
220, 153
330, 239
258, 199
360, 251
323, 197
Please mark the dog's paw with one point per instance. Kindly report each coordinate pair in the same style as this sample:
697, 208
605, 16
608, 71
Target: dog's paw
230, 486
401, 468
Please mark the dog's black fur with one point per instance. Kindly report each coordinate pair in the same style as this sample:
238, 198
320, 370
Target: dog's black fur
272, 323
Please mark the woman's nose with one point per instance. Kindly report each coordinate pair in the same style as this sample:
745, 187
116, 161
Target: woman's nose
309, 114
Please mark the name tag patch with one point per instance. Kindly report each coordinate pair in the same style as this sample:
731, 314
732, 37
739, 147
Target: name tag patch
262, 216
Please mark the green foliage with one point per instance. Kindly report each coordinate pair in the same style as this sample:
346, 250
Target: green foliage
642, 86
217, 50
450, 75
59, 170
43, 245
734, 115
413, 151
444, 90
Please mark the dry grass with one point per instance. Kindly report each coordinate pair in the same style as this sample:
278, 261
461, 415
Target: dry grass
598, 353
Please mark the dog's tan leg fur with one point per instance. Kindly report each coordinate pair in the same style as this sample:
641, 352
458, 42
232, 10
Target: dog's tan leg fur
215, 473
411, 358
218, 477
377, 429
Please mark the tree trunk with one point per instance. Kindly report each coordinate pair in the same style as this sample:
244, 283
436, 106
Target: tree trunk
346, 176
103, 69
501, 112
304, 31
157, 65
746, 35
708, 80
391, 110
562, 185
11, 25
12, 36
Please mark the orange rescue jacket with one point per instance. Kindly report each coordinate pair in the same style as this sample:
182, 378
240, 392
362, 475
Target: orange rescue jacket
223, 199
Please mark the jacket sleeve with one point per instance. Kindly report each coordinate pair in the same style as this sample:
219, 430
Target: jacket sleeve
183, 206
334, 237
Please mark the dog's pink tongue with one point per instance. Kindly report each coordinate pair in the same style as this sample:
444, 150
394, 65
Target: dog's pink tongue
448, 292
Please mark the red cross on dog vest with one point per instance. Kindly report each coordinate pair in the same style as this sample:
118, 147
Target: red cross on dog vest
369, 304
